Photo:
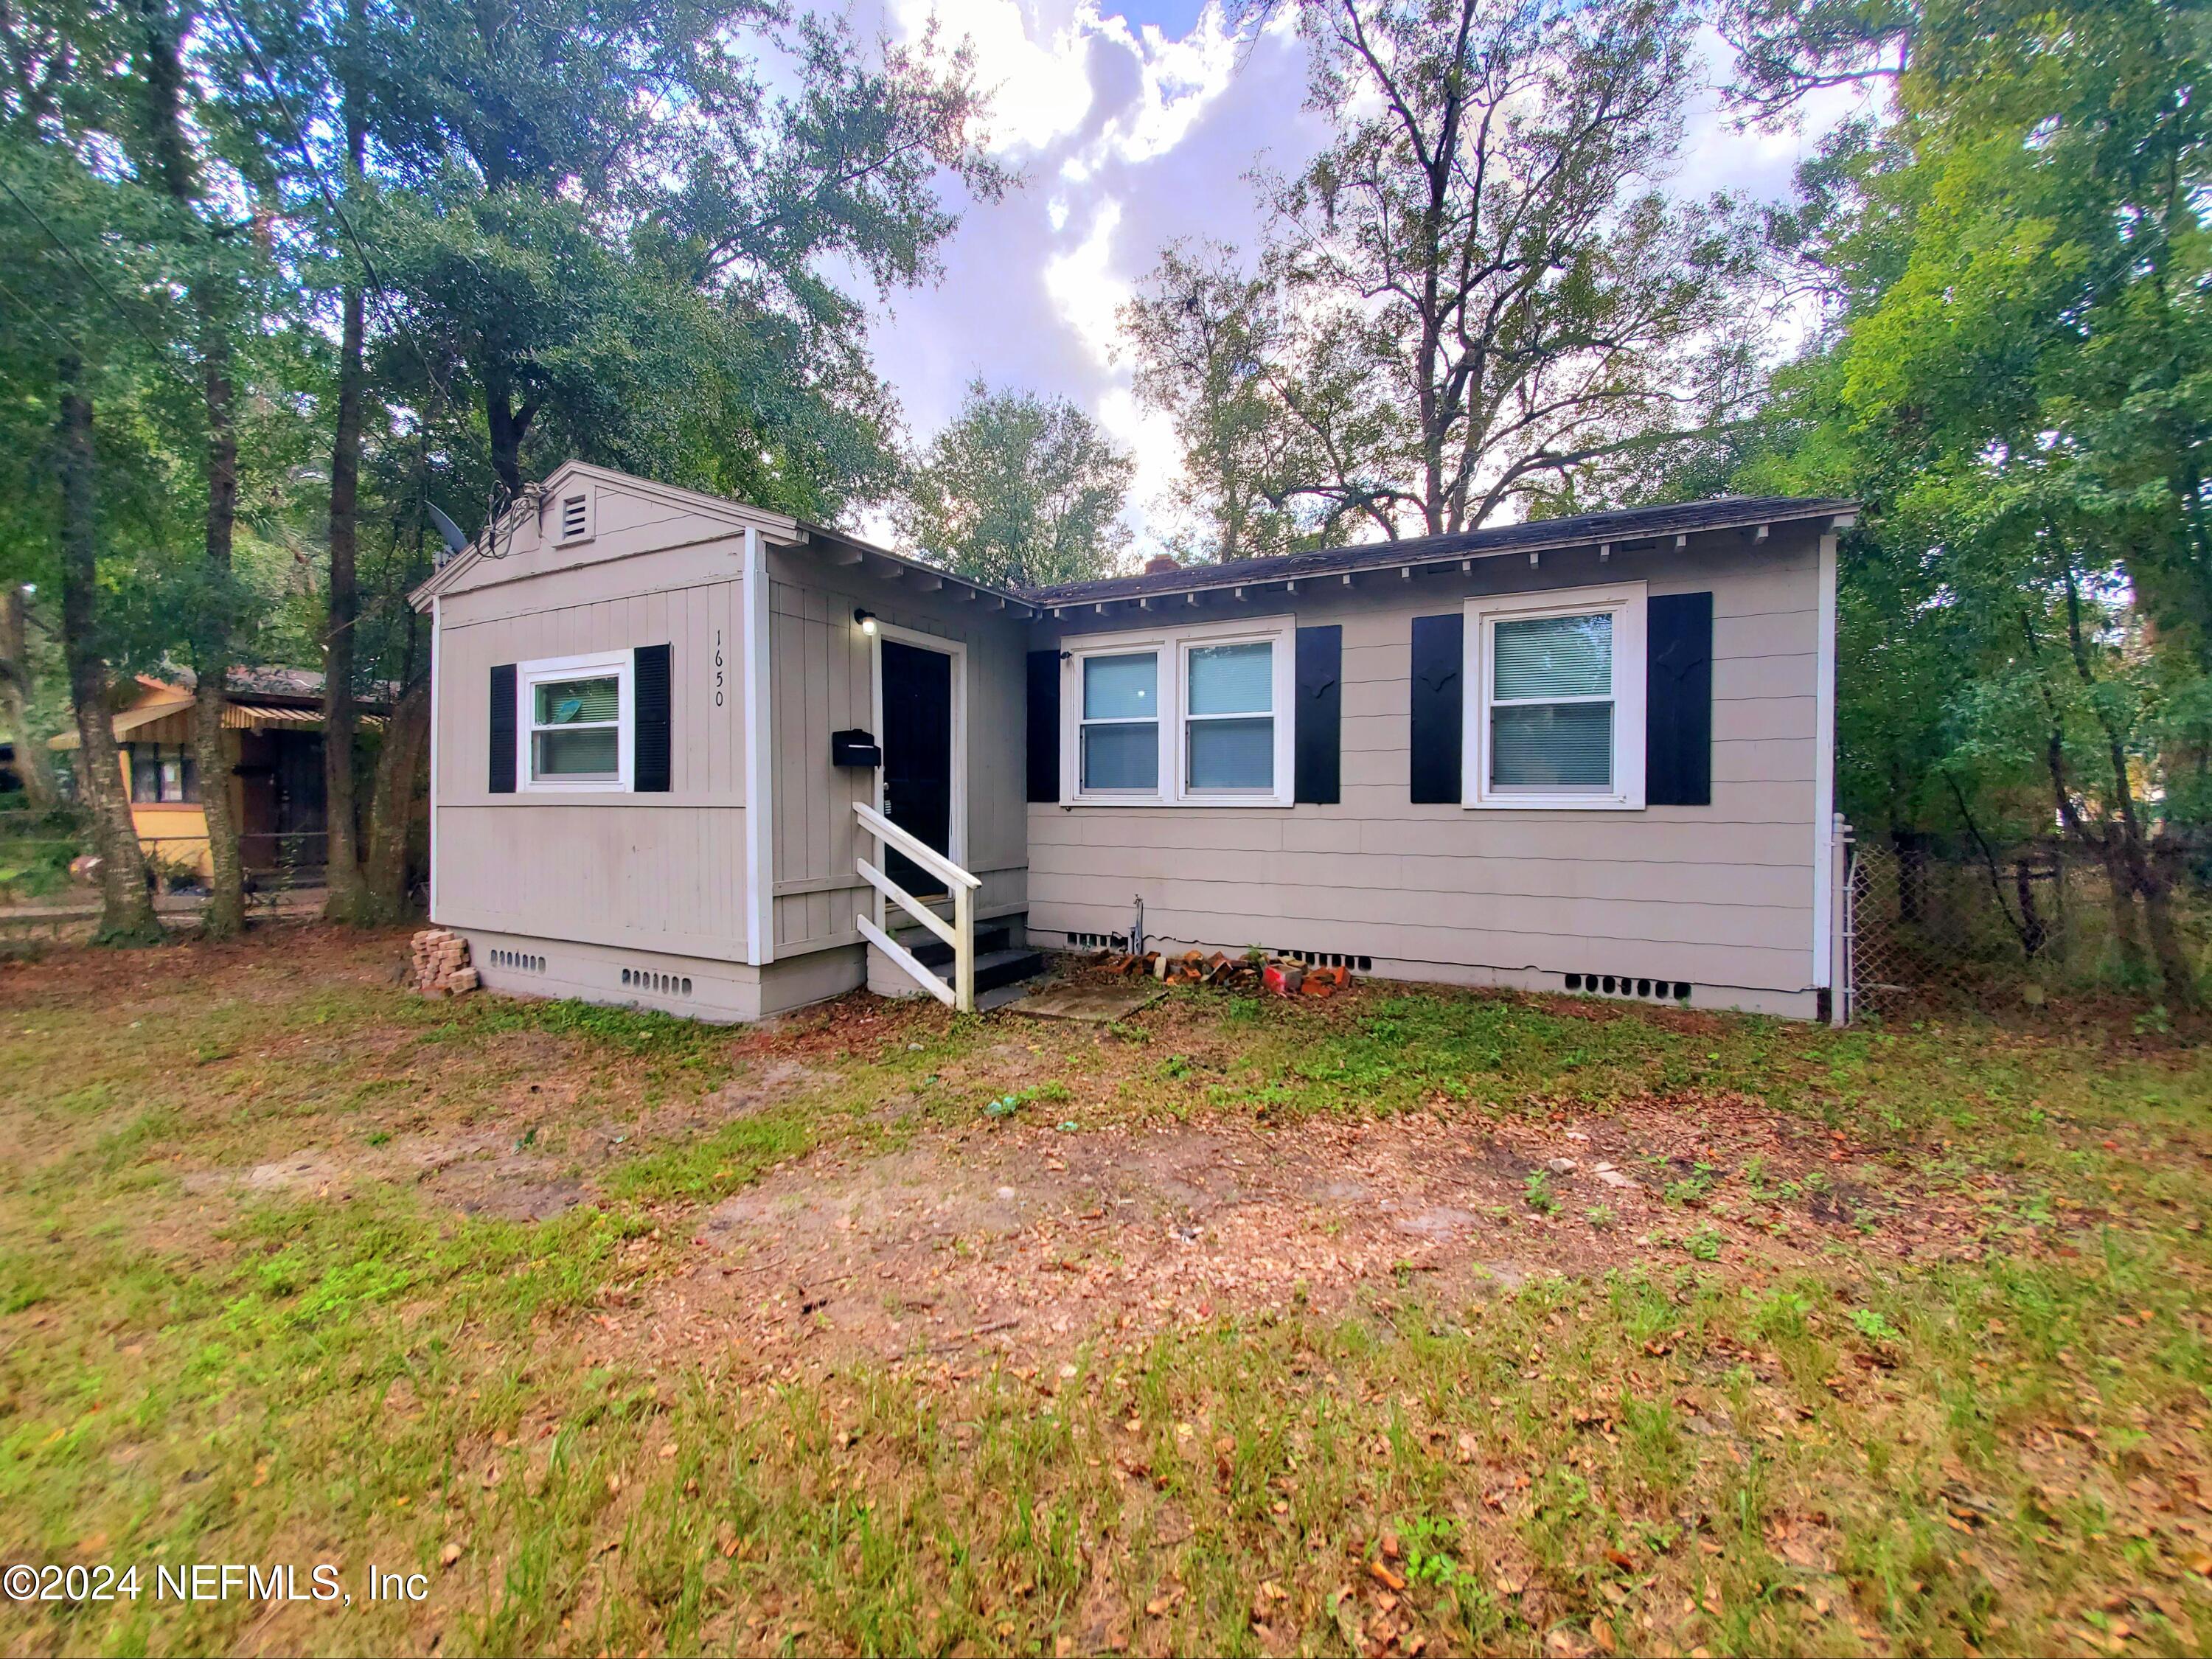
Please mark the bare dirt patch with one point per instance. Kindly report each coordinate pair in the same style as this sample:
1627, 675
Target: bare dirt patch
1020, 1237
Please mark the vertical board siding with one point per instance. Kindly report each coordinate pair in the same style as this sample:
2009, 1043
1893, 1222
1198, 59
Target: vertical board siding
824, 667
650, 871
1719, 894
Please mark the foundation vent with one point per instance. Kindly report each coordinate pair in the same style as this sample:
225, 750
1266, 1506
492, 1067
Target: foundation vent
1624, 985
666, 985
520, 961
1098, 941
1329, 959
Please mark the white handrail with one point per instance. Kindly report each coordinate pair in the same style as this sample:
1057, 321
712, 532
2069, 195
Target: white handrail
907, 901
914, 848
960, 935
899, 954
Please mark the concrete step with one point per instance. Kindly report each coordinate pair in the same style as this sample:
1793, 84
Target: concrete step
933, 953
1001, 967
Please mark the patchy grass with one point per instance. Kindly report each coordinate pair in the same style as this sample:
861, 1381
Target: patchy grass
632, 1334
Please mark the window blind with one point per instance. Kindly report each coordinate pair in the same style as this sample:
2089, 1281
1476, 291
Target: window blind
579, 702
1232, 679
1542, 656
1123, 691
1120, 688
1552, 745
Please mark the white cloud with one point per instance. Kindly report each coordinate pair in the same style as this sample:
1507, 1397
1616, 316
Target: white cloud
1085, 287
1039, 89
1130, 135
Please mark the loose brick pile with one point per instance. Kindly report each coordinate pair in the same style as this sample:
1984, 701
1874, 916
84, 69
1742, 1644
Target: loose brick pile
1281, 975
438, 963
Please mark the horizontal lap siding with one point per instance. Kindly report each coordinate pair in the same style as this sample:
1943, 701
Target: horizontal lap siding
663, 871
1722, 894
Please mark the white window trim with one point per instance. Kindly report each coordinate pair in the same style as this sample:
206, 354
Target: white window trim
1626, 602
529, 676
1173, 645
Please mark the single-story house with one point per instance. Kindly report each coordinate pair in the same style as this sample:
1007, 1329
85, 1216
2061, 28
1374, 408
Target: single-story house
695, 755
272, 722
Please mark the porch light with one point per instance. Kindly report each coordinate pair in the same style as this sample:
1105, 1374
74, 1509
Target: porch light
866, 620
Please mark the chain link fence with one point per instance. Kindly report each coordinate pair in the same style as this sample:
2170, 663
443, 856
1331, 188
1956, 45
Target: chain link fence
1936, 927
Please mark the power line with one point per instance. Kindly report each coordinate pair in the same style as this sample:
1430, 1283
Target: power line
160, 353
51, 326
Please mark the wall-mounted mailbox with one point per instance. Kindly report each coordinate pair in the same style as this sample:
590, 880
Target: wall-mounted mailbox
854, 748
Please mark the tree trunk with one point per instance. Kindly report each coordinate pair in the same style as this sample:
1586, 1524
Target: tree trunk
505, 428
225, 915
126, 905
165, 83
32, 764
392, 812
2132, 866
347, 894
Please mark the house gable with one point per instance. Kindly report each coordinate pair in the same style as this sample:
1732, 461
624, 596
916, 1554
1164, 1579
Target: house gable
589, 515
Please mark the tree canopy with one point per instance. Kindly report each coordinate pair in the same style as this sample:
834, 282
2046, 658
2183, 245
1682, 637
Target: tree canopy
1018, 489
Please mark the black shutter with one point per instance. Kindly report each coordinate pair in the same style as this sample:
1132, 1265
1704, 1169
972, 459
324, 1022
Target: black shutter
1439, 707
1044, 726
503, 729
1678, 701
652, 668
1318, 730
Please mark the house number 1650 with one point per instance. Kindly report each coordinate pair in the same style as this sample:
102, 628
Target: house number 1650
718, 668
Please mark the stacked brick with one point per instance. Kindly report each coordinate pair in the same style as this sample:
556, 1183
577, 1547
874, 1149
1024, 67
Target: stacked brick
1281, 975
438, 963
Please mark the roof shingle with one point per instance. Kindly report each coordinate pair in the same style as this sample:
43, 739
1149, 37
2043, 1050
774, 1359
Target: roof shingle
1628, 525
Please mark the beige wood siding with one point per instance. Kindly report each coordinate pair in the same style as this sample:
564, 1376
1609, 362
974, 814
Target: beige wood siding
657, 871
823, 668
639, 528
1719, 894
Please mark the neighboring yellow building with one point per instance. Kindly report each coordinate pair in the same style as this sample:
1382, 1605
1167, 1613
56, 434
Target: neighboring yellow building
273, 730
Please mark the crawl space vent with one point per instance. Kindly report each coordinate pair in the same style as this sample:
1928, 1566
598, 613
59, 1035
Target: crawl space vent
666, 985
1622, 985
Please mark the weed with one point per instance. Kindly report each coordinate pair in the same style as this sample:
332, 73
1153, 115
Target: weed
1537, 1193
1692, 1188
1873, 1326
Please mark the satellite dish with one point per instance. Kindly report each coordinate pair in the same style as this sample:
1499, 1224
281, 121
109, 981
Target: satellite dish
455, 541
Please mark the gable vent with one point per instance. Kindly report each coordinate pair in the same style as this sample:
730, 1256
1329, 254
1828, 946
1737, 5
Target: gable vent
575, 517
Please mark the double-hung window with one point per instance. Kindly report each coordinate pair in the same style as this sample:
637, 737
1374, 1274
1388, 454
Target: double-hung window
577, 725
1555, 681
1229, 717
1121, 723
1189, 716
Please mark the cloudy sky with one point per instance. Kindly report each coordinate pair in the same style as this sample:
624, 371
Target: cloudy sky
1133, 122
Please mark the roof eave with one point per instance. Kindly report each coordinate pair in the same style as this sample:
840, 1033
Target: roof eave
882, 562
1841, 513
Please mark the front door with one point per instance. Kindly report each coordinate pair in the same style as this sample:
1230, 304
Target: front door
917, 756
